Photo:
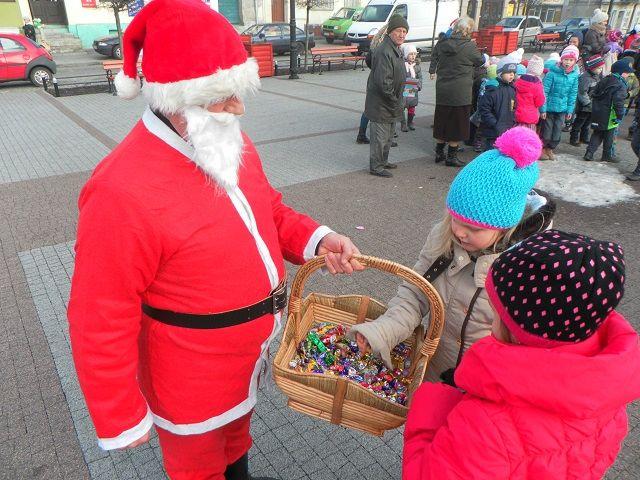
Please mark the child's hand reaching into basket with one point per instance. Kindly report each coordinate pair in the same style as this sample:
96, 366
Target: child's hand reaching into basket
363, 343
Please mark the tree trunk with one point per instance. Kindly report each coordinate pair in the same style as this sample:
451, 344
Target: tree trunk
116, 13
435, 26
306, 38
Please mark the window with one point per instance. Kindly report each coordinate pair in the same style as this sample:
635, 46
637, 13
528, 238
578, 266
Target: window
254, 30
401, 10
375, 13
272, 31
343, 13
9, 45
532, 23
510, 22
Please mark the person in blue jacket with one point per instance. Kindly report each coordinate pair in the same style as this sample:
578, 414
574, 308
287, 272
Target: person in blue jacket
561, 92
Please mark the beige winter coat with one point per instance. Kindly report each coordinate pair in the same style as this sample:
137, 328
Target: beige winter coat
409, 307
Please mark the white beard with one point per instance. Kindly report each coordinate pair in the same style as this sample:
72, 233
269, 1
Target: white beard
217, 141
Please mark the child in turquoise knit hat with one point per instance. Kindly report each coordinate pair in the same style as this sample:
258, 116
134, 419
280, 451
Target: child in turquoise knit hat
490, 207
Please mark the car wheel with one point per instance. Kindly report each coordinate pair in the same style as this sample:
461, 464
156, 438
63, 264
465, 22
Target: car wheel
329, 40
38, 74
300, 47
117, 52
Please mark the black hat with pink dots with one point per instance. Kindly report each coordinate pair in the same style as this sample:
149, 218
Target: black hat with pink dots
556, 288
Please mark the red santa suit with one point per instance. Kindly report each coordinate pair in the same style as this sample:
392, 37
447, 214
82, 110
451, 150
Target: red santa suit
154, 229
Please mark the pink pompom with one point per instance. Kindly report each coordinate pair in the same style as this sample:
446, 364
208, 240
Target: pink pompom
521, 144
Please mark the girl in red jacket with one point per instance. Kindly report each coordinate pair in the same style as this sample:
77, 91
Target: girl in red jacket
544, 397
530, 94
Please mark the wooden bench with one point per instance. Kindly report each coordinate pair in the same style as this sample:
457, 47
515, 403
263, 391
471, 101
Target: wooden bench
109, 66
543, 39
329, 55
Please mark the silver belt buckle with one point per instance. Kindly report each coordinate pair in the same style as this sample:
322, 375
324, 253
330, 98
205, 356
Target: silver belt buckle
279, 298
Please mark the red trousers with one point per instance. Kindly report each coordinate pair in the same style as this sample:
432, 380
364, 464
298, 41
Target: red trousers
204, 456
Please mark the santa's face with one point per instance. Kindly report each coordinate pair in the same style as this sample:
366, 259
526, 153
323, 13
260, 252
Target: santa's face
215, 134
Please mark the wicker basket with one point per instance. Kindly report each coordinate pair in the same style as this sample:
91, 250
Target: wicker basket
334, 398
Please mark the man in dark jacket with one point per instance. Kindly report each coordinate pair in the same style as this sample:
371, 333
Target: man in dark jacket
635, 144
497, 106
28, 29
608, 110
586, 84
383, 105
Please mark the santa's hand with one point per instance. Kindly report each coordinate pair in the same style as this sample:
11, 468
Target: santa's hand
338, 251
140, 441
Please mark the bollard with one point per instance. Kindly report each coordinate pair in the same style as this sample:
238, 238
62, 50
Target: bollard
299, 63
44, 84
275, 67
55, 86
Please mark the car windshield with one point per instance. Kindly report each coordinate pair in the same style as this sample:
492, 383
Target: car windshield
510, 22
252, 30
343, 13
569, 22
375, 13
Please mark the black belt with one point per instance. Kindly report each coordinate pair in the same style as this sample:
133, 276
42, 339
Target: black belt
275, 302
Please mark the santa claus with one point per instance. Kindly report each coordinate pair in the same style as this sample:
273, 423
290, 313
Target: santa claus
180, 278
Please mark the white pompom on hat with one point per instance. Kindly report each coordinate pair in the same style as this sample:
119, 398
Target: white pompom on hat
599, 16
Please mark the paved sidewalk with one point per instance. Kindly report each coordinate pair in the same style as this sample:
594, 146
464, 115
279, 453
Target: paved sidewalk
305, 132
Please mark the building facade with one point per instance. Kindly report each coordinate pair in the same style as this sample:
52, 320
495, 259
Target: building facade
88, 21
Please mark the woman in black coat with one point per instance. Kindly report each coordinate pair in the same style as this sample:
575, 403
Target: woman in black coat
453, 61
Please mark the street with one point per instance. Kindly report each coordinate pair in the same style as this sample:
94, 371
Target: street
305, 133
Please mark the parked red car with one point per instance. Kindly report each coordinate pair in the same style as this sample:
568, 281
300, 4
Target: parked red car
23, 59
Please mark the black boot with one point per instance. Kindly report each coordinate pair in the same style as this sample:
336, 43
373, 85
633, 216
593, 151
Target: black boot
410, 117
362, 136
635, 175
452, 158
573, 140
440, 156
588, 156
239, 470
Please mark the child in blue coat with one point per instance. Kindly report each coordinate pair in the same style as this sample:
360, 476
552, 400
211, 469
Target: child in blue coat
561, 92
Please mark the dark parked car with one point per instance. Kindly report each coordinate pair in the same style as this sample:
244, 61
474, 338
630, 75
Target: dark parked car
109, 46
277, 34
23, 59
567, 27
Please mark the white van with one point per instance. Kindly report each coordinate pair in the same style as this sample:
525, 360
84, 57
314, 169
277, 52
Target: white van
420, 15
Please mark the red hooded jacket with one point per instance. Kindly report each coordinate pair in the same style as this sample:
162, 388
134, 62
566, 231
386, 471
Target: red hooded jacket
529, 98
528, 413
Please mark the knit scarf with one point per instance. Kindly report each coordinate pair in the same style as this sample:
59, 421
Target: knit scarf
410, 69
601, 28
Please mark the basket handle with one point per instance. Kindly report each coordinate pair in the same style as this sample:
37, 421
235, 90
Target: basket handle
432, 336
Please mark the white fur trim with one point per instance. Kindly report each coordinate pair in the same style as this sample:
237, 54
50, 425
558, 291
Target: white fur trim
126, 87
314, 240
128, 436
170, 98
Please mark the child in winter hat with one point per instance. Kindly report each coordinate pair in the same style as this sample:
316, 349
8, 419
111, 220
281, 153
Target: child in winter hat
555, 376
613, 44
413, 72
529, 94
497, 105
486, 208
561, 92
580, 130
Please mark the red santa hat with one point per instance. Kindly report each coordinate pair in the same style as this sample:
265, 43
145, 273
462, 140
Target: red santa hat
191, 56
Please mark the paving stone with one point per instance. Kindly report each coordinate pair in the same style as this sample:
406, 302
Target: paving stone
305, 133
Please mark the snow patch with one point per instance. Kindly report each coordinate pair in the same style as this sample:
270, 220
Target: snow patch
590, 184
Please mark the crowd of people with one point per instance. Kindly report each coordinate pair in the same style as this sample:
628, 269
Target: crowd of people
180, 281
586, 89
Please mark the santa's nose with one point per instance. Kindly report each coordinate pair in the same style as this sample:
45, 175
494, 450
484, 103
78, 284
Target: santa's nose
234, 105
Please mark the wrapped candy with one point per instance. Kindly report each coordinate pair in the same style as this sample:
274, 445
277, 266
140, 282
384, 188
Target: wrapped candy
327, 350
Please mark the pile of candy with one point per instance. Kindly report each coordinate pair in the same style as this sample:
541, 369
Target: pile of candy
327, 350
